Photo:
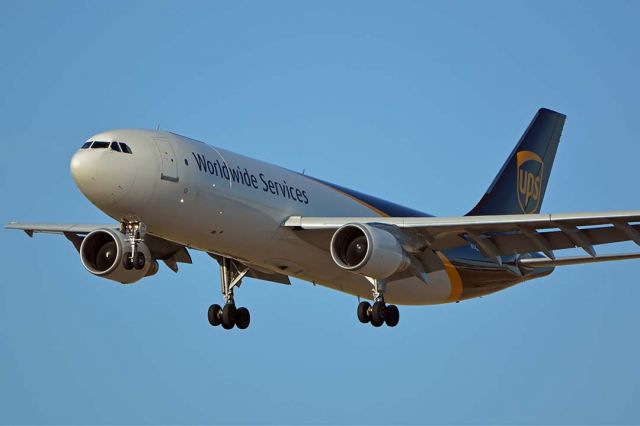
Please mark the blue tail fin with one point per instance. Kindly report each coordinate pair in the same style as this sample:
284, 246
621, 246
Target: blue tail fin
520, 184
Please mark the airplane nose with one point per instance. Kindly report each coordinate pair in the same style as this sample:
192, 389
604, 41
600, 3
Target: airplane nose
102, 175
80, 170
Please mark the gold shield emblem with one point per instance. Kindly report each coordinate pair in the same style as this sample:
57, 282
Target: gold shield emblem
529, 185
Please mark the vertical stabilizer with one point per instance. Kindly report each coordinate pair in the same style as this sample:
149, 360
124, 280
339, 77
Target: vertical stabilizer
520, 184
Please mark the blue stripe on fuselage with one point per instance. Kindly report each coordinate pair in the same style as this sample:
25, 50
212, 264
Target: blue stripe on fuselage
391, 209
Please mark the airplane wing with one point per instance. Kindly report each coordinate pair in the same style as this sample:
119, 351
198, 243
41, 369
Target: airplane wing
169, 252
499, 235
57, 228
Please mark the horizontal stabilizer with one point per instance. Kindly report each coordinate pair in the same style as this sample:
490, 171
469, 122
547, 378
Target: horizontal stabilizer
574, 260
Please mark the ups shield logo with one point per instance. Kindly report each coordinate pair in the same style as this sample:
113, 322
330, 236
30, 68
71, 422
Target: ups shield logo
530, 171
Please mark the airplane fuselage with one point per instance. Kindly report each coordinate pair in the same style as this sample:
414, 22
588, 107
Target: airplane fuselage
231, 205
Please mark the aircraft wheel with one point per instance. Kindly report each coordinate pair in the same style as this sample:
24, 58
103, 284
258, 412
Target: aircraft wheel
243, 318
214, 314
377, 314
229, 316
127, 262
140, 261
364, 314
392, 315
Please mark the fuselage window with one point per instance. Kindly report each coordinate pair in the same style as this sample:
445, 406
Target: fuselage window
115, 146
125, 148
86, 145
100, 145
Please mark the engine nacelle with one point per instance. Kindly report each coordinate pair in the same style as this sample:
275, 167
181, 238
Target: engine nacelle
103, 251
367, 250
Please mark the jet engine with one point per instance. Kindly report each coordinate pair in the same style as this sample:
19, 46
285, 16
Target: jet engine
368, 250
107, 254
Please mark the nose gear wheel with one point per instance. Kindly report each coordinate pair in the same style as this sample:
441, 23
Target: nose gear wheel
134, 231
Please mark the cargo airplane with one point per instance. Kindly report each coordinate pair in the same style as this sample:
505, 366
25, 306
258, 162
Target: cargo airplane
168, 193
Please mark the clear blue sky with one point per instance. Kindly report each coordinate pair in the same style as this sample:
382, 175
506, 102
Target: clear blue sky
417, 102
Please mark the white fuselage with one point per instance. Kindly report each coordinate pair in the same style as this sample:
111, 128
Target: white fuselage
217, 201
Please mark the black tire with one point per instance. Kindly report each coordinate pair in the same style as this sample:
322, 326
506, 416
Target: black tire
377, 314
127, 263
139, 261
392, 315
243, 318
228, 316
364, 315
214, 315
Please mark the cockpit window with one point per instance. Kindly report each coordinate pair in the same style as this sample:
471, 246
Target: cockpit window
115, 146
125, 148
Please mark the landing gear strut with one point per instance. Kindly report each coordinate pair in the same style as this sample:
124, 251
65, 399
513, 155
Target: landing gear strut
134, 231
231, 274
380, 313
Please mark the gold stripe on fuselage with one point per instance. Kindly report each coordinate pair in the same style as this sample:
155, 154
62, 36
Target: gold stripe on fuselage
454, 279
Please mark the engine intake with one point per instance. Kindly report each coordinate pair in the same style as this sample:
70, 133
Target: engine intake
103, 252
368, 250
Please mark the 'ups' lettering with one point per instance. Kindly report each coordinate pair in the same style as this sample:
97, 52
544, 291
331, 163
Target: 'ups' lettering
529, 185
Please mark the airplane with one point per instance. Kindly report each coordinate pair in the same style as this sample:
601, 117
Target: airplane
169, 193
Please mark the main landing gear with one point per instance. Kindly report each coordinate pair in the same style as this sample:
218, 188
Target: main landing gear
231, 274
380, 313
134, 232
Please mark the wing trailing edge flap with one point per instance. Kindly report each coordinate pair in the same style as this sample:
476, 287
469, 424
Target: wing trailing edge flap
574, 260
527, 240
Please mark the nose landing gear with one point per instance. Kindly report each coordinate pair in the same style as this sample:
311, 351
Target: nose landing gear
228, 316
380, 313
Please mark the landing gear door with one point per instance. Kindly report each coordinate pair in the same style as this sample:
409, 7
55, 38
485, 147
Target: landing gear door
169, 169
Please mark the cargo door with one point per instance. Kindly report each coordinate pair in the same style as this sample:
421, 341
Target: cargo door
169, 170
